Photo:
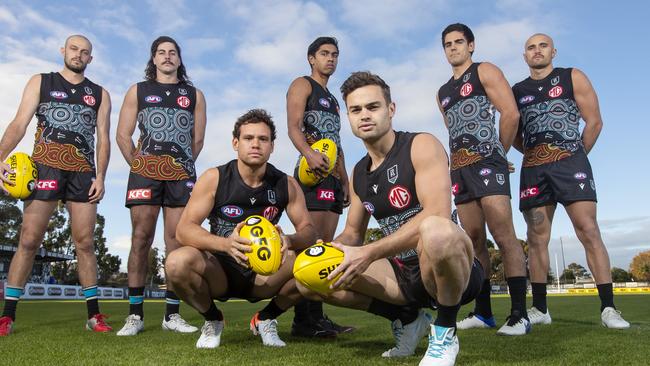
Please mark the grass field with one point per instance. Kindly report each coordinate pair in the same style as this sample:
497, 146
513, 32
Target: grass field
49, 333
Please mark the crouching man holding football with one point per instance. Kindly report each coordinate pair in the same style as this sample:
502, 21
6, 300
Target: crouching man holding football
213, 265
424, 260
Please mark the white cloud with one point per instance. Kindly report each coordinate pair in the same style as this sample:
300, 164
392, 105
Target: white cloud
196, 47
170, 16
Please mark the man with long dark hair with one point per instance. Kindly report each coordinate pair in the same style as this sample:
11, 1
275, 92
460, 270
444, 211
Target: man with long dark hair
171, 117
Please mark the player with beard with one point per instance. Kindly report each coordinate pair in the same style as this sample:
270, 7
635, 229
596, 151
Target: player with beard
170, 114
70, 110
313, 114
479, 170
556, 170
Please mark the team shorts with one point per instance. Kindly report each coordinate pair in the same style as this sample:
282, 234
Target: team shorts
325, 196
56, 184
409, 280
564, 181
167, 193
240, 280
488, 177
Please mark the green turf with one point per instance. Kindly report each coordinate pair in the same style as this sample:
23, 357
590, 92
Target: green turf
49, 332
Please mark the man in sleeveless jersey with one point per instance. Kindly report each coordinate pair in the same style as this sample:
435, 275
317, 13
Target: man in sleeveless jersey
313, 114
70, 109
213, 264
556, 169
170, 114
479, 170
424, 259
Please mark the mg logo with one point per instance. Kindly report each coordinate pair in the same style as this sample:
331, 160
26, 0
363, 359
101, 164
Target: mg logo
47, 185
138, 194
183, 101
399, 197
555, 92
466, 89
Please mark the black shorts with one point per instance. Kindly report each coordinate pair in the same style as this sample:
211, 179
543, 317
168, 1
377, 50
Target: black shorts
410, 283
167, 193
240, 280
56, 184
488, 177
564, 181
325, 196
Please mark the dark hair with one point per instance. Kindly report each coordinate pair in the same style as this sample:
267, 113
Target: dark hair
150, 70
360, 79
458, 27
318, 42
254, 116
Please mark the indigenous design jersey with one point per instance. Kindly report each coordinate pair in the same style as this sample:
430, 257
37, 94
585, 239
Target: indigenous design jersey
235, 200
321, 119
67, 117
549, 118
166, 123
388, 192
470, 118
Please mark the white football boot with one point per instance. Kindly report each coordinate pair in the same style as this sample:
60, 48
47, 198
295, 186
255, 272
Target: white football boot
178, 324
210, 334
408, 336
133, 325
476, 321
537, 317
267, 330
443, 347
515, 326
611, 318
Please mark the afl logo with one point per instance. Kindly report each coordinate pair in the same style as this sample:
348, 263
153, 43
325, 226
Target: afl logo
324, 102
369, 207
466, 89
526, 99
485, 171
445, 102
153, 99
580, 175
555, 91
58, 94
399, 197
232, 211
270, 213
183, 101
89, 99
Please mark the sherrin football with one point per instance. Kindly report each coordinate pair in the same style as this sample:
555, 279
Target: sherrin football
323, 146
266, 257
25, 175
314, 264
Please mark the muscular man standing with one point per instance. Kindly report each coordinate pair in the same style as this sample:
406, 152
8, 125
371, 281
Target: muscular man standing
556, 170
479, 170
170, 114
69, 108
313, 114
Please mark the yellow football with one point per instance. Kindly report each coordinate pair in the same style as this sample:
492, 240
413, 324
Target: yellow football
266, 257
323, 146
314, 264
25, 175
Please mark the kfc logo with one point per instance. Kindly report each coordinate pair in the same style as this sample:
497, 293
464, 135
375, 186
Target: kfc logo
47, 185
454, 189
89, 99
138, 194
399, 197
232, 211
325, 195
555, 92
270, 213
466, 89
183, 101
529, 192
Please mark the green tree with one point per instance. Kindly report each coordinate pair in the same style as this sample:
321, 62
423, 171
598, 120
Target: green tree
620, 275
107, 264
640, 266
155, 266
578, 270
568, 276
10, 220
372, 234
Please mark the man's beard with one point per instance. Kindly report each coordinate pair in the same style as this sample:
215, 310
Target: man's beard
76, 69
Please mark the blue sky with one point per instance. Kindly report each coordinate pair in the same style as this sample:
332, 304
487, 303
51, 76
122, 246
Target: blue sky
244, 54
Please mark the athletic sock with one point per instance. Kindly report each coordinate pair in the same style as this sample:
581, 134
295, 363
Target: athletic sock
517, 288
301, 311
213, 313
136, 301
316, 310
447, 316
12, 295
92, 304
483, 305
172, 304
539, 296
606, 294
270, 311
393, 312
